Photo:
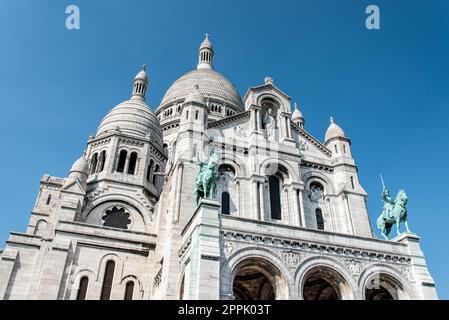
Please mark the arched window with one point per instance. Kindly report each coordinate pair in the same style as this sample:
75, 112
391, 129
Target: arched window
132, 163
187, 114
336, 150
275, 197
352, 183
48, 200
150, 167
156, 169
196, 115
344, 149
82, 290
129, 290
122, 161
102, 161
93, 163
107, 280
319, 219
225, 203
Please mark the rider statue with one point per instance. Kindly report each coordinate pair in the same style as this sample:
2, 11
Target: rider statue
205, 183
388, 203
394, 212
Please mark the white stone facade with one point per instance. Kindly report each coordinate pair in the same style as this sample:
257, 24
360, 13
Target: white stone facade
289, 220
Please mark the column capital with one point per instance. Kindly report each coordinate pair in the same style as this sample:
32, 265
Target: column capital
254, 107
258, 178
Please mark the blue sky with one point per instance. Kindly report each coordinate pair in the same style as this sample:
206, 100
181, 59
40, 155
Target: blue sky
388, 88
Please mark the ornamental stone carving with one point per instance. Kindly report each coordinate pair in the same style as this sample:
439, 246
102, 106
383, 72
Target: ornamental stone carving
292, 258
354, 266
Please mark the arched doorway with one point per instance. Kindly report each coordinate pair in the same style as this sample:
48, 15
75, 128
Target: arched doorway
381, 286
258, 279
324, 283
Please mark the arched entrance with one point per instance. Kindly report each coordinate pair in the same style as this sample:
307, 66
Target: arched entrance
258, 279
324, 283
381, 286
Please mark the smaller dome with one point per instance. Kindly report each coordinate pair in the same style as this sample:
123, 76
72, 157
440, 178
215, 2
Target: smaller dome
297, 115
132, 117
206, 43
195, 96
334, 131
142, 75
80, 165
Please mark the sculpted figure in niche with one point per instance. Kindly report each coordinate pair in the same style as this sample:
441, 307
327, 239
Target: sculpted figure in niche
316, 192
269, 122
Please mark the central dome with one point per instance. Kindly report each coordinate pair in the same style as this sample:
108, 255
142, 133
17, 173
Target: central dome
211, 84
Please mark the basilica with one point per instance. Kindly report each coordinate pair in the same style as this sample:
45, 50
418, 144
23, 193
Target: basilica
287, 217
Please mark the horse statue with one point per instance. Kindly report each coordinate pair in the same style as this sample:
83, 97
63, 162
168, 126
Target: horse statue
394, 212
205, 183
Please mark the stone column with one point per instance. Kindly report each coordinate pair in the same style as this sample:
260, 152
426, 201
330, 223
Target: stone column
178, 192
348, 214
296, 210
262, 200
285, 204
253, 119
301, 207
331, 213
255, 193
289, 127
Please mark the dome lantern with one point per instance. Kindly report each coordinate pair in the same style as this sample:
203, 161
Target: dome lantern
140, 85
297, 117
205, 54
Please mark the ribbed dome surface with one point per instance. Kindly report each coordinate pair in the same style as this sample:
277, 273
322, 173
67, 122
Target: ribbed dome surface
211, 84
296, 115
334, 131
80, 165
132, 117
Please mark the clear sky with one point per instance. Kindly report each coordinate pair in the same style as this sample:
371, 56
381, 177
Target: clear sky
388, 88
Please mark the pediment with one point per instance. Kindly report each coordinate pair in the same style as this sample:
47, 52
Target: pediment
73, 186
309, 145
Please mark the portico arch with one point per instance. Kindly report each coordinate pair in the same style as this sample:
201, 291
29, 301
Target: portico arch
255, 275
322, 278
381, 282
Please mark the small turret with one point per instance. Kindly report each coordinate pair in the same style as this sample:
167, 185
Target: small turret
205, 54
140, 85
297, 117
337, 141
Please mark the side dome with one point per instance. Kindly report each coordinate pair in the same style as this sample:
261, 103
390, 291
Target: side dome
212, 85
132, 117
334, 131
80, 165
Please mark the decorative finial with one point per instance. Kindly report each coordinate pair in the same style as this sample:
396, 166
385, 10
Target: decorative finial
207, 36
268, 80
144, 67
332, 120
296, 106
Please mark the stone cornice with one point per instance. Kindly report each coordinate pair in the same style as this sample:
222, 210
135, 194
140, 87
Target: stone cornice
229, 120
314, 165
315, 246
